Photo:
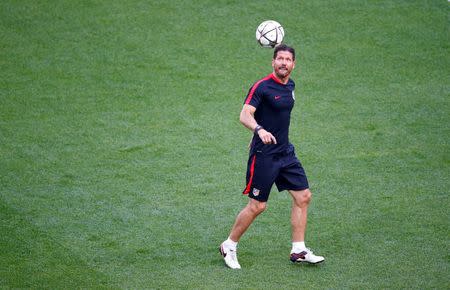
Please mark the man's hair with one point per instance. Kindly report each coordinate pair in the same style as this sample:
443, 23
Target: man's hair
283, 47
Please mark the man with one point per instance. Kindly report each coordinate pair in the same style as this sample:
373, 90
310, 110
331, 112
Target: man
266, 112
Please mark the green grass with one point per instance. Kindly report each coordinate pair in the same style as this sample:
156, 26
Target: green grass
122, 159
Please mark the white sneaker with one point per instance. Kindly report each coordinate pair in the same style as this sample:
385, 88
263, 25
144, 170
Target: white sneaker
229, 256
306, 256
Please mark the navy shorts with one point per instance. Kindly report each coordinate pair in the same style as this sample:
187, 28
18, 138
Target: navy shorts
285, 170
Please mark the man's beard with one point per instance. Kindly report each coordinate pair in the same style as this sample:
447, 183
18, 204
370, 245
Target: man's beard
282, 72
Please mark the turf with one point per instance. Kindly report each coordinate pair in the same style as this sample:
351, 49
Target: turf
122, 159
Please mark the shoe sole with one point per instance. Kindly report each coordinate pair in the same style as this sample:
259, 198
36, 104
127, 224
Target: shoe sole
307, 262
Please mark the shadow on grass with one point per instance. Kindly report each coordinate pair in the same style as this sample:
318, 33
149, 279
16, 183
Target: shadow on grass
31, 258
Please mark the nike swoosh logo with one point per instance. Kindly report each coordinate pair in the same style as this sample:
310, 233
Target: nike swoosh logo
222, 252
277, 97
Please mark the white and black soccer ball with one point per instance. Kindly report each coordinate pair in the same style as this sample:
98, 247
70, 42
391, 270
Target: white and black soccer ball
269, 33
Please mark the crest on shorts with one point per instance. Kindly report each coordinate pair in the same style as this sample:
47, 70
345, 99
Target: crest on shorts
255, 192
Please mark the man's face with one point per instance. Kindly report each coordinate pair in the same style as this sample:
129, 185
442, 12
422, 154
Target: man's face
283, 64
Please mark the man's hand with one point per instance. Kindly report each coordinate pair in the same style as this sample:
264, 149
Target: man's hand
267, 137
248, 120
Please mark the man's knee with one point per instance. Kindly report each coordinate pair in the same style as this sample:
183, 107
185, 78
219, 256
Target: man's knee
302, 198
256, 206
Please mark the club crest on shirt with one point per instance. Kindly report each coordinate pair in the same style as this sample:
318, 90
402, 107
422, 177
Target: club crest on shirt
255, 192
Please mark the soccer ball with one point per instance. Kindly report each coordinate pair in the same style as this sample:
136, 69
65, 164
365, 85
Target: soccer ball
269, 33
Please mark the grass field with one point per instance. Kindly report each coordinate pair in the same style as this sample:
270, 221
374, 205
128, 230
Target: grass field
122, 158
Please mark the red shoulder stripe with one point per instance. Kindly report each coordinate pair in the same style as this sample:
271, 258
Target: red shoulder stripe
255, 86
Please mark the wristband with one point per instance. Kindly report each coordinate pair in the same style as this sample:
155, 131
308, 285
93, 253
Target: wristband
257, 128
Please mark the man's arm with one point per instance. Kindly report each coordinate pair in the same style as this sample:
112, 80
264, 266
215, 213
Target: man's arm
248, 120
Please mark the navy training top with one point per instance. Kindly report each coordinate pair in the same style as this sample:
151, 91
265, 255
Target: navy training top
273, 101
